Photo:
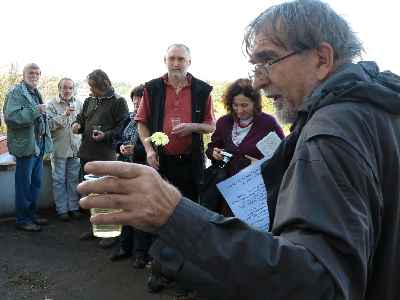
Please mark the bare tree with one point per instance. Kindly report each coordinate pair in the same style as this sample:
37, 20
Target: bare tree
7, 80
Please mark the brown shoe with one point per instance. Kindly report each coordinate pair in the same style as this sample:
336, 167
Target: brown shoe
29, 227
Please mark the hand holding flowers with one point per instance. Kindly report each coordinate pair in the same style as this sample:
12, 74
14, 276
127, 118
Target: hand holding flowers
157, 139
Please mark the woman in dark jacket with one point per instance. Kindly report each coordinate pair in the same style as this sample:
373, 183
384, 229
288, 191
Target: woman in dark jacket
239, 131
130, 149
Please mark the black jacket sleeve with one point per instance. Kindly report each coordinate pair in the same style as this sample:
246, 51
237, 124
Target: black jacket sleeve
320, 245
81, 116
117, 137
119, 111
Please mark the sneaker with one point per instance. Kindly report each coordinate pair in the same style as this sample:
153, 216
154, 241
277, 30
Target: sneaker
87, 236
108, 242
76, 214
148, 265
29, 227
41, 221
64, 217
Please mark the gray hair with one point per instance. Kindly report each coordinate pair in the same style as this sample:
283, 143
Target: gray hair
305, 24
182, 46
31, 66
64, 79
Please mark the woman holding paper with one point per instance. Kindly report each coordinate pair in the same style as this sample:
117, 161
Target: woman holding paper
240, 131
245, 131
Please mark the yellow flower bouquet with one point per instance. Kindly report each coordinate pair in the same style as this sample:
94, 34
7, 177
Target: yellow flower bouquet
158, 139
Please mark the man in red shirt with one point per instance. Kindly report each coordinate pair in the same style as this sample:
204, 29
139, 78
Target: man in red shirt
179, 105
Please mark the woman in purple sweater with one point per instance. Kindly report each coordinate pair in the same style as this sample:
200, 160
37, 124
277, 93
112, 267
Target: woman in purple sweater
241, 129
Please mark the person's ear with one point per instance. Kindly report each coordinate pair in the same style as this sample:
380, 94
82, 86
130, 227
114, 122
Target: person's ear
325, 60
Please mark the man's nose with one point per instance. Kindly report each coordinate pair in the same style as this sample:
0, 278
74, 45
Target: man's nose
259, 84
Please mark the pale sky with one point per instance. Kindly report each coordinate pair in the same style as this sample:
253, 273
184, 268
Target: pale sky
128, 39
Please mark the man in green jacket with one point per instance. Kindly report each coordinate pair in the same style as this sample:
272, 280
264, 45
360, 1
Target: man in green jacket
28, 138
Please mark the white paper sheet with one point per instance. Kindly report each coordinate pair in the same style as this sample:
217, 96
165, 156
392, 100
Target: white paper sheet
268, 144
246, 195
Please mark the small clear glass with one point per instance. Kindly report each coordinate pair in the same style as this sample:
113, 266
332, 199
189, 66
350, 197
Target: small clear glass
175, 121
103, 230
128, 146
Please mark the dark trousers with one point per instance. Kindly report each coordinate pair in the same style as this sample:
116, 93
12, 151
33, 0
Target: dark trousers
135, 241
178, 170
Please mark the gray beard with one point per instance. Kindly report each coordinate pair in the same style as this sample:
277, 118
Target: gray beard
284, 115
177, 75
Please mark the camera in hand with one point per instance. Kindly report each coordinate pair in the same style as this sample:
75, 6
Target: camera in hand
226, 157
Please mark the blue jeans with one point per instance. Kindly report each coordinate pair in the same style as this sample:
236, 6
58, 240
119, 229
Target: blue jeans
28, 180
65, 173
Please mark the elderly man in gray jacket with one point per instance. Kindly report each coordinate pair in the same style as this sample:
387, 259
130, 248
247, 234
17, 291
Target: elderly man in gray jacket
28, 138
65, 162
333, 183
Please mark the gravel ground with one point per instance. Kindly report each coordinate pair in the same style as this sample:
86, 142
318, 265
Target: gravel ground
55, 265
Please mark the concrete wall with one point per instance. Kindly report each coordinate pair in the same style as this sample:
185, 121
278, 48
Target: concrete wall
7, 189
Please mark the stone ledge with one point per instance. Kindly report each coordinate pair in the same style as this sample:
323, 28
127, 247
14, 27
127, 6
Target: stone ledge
10, 165
7, 166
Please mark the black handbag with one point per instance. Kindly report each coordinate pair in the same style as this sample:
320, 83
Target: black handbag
209, 195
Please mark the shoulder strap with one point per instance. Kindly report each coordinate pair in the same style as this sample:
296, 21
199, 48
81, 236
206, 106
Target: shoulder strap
156, 92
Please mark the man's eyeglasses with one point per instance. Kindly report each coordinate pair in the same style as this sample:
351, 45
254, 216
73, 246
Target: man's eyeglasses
262, 71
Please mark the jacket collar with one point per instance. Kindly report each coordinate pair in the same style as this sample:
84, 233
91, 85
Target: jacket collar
28, 93
108, 95
59, 100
